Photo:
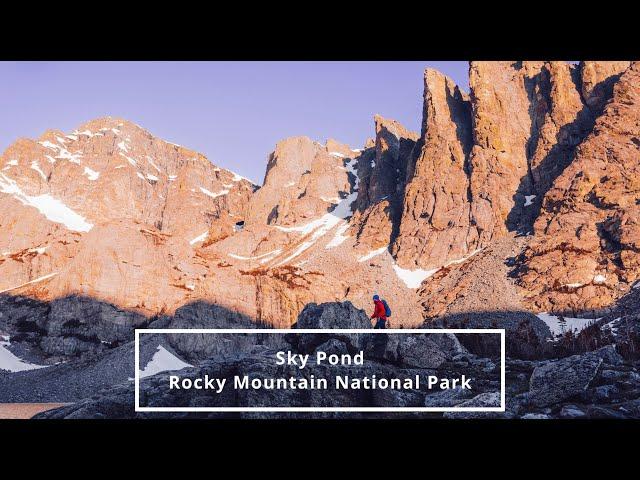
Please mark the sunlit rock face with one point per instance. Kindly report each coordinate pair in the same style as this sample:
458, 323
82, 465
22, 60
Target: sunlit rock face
525, 185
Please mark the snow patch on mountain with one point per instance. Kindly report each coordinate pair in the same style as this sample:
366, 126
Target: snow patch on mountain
163, 361
52, 208
91, 174
35, 280
339, 236
327, 222
89, 133
265, 257
50, 145
129, 159
150, 160
413, 278
372, 254
200, 238
599, 279
463, 259
237, 178
62, 153
35, 166
9, 362
213, 195
299, 250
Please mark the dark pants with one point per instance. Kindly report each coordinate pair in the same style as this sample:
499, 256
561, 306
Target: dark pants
381, 323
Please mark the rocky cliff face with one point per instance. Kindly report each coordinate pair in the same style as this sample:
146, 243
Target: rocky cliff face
383, 171
435, 224
304, 179
485, 158
598, 79
488, 163
501, 101
585, 250
519, 196
109, 213
319, 229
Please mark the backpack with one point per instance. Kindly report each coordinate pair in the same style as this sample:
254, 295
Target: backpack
387, 310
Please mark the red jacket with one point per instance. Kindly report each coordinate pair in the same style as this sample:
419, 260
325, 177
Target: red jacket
379, 311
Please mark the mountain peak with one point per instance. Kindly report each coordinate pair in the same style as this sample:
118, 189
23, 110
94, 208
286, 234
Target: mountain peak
108, 122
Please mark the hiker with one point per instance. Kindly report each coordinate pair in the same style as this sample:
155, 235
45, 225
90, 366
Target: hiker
379, 312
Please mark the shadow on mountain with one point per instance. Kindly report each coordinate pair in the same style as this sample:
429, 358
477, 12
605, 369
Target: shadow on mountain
97, 349
541, 177
88, 343
382, 188
74, 326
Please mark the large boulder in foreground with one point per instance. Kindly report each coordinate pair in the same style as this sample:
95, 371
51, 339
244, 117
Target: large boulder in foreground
333, 315
556, 381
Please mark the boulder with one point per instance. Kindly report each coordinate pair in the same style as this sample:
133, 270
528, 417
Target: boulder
563, 379
488, 399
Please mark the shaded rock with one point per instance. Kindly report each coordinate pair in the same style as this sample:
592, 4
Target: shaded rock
535, 416
410, 350
447, 398
561, 123
571, 411
378, 206
420, 351
197, 347
333, 346
333, 315
395, 398
562, 379
489, 399
330, 316
80, 378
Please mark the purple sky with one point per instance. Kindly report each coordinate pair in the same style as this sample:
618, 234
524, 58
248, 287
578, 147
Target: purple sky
233, 112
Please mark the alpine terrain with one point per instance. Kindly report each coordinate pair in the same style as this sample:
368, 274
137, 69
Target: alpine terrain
516, 206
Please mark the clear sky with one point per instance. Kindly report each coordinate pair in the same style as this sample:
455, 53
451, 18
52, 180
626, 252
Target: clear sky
233, 112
